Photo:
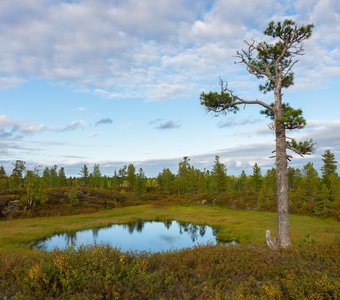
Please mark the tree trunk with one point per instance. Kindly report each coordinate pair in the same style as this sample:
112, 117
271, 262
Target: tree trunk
283, 235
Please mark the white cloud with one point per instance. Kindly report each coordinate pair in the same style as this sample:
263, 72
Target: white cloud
8, 82
33, 128
147, 49
11, 129
322, 59
166, 91
4, 122
93, 134
230, 122
111, 94
325, 133
81, 109
128, 125
15, 130
74, 125
165, 124
323, 123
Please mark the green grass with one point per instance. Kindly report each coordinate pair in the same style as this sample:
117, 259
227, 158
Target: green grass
244, 226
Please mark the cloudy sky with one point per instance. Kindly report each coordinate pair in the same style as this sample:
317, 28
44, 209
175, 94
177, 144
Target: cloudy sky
114, 82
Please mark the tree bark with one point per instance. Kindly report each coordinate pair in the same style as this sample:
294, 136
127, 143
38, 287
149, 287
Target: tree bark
283, 235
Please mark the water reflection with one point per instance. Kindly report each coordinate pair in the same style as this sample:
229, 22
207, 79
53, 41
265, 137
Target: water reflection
132, 226
95, 232
136, 236
71, 238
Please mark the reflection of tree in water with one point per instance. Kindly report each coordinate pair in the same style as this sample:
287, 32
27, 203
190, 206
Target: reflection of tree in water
131, 227
95, 232
194, 232
192, 229
71, 238
202, 230
139, 225
182, 227
168, 224
185, 227
41, 245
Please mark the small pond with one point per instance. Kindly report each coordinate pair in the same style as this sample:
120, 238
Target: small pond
137, 236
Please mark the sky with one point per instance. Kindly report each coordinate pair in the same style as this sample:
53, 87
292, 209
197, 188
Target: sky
118, 82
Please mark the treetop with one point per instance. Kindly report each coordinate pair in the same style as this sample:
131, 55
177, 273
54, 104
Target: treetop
289, 30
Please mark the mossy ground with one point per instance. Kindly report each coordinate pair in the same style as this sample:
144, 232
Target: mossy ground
243, 225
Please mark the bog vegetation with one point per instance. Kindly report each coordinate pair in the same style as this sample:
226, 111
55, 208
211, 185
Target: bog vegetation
207, 272
50, 192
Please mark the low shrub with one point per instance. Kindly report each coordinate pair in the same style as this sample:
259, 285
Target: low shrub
205, 272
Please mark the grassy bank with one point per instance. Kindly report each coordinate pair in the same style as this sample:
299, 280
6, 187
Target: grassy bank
244, 226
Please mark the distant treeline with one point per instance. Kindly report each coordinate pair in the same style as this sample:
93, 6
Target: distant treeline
309, 193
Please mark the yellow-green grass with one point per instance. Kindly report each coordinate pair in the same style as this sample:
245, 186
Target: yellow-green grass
242, 225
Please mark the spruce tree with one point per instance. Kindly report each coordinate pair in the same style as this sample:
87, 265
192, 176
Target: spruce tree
3, 178
311, 183
218, 176
166, 181
140, 183
2, 171
329, 166
242, 183
62, 177
84, 175
18, 173
95, 176
131, 176
256, 178
183, 176
266, 198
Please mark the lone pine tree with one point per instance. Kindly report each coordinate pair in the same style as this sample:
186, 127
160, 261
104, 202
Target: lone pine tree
272, 62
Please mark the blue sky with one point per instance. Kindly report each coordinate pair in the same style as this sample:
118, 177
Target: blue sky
117, 82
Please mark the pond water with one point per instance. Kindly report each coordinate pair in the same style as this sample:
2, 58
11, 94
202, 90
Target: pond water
137, 236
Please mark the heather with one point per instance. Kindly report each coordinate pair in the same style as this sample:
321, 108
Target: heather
206, 272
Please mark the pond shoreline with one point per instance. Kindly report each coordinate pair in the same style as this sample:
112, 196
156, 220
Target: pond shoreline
150, 236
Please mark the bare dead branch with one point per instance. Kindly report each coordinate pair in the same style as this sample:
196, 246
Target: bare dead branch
238, 101
246, 57
290, 67
295, 150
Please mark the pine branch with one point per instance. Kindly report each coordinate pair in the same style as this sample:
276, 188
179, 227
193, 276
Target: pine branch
227, 101
237, 100
306, 147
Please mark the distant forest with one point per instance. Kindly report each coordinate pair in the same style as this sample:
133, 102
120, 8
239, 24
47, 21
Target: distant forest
32, 190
